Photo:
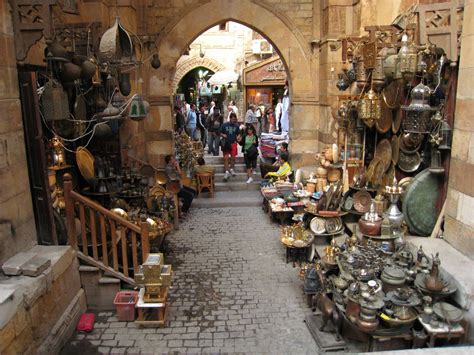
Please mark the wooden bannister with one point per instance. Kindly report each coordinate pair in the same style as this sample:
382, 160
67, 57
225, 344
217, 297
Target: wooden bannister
116, 235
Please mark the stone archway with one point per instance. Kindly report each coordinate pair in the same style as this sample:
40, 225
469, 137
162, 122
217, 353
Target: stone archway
301, 63
189, 64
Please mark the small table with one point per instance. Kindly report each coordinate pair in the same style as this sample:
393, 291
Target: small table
151, 314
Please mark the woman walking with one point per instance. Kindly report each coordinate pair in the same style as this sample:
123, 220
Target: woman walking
249, 143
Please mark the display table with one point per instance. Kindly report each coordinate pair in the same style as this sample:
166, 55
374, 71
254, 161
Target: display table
442, 332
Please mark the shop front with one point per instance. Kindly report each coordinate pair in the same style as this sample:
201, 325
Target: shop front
264, 83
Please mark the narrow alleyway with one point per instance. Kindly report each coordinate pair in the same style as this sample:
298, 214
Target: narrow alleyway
232, 292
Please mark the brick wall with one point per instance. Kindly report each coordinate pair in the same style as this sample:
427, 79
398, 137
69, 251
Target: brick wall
17, 226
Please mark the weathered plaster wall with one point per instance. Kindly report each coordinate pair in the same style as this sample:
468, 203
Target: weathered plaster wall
459, 223
17, 225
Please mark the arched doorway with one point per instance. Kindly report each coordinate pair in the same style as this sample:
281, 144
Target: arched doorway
185, 66
295, 51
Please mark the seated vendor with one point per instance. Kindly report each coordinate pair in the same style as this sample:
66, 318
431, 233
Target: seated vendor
202, 168
283, 171
266, 168
186, 194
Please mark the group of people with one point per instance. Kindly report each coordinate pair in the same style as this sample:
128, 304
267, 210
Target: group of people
218, 133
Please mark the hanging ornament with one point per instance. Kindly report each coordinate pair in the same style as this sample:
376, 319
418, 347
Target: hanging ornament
124, 84
116, 45
155, 61
408, 56
369, 108
138, 109
54, 101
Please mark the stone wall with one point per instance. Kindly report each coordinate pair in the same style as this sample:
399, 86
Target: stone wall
459, 224
44, 310
17, 225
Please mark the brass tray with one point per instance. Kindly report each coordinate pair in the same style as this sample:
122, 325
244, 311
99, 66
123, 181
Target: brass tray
409, 163
410, 142
85, 163
395, 143
161, 178
384, 123
147, 170
397, 120
362, 200
383, 151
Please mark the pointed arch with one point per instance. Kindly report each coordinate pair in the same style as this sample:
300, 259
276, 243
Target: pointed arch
189, 64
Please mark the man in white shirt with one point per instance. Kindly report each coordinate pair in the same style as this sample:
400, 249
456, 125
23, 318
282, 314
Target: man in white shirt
211, 108
234, 109
278, 112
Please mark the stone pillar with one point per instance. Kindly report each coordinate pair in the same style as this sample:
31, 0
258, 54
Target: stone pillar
17, 225
459, 224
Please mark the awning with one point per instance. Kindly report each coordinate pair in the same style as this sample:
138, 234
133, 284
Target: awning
223, 77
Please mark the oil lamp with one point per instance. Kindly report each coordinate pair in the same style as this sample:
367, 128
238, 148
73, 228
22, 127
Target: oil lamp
369, 108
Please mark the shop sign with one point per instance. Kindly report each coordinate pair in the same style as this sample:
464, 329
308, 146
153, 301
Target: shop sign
268, 73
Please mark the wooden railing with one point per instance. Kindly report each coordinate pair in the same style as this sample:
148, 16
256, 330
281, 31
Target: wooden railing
104, 234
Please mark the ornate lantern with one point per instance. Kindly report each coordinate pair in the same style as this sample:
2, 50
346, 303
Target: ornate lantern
369, 108
54, 102
408, 57
378, 75
361, 75
419, 110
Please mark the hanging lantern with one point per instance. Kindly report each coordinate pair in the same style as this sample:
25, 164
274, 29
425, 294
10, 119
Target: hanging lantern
124, 84
369, 108
408, 57
419, 111
138, 108
116, 45
378, 76
342, 84
361, 75
446, 134
54, 102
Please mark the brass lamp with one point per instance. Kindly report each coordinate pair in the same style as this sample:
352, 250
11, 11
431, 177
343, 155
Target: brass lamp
369, 108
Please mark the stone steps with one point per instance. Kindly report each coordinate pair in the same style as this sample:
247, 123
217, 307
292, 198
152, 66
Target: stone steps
239, 176
238, 168
247, 198
236, 186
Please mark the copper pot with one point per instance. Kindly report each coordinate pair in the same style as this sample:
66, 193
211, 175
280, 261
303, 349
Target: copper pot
370, 227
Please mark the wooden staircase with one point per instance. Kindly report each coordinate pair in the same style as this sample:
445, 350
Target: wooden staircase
110, 239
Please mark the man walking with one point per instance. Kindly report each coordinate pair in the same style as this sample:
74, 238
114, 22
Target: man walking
191, 121
229, 132
214, 124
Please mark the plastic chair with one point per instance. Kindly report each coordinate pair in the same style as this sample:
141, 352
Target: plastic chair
205, 180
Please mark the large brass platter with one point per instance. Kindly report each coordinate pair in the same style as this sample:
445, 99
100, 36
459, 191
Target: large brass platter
395, 143
397, 120
409, 162
161, 178
362, 200
410, 142
419, 204
85, 163
384, 123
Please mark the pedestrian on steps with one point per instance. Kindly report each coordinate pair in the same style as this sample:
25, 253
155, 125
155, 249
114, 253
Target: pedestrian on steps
229, 132
249, 143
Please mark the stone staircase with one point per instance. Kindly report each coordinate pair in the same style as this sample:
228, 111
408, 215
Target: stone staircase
233, 193
235, 183
100, 288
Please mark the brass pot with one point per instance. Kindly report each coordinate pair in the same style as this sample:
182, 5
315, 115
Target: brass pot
370, 227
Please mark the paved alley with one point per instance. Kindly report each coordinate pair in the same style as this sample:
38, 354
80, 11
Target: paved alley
232, 292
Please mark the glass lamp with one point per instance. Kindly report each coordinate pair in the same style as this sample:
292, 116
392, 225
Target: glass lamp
369, 108
446, 134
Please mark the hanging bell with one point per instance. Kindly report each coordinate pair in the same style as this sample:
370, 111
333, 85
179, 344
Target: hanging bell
155, 61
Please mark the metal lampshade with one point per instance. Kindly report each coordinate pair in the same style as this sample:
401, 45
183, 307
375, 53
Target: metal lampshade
138, 108
446, 134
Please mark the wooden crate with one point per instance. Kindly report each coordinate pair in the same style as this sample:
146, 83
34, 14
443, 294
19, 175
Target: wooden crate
151, 314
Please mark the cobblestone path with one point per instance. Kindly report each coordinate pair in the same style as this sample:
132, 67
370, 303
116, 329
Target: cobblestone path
232, 292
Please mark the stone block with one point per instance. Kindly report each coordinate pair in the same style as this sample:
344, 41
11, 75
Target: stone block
10, 108
467, 52
21, 321
61, 256
7, 48
464, 85
460, 177
452, 202
6, 24
7, 334
8, 83
35, 266
13, 265
465, 210
461, 142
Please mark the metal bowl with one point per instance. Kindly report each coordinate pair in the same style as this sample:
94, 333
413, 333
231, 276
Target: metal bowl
362, 200
409, 162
